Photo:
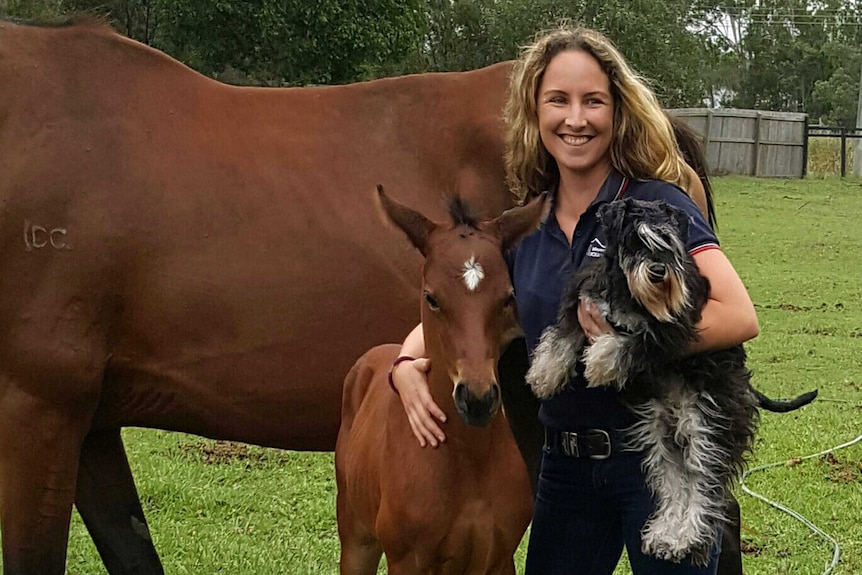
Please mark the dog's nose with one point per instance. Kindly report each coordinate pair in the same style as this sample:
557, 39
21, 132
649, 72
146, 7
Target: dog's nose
656, 272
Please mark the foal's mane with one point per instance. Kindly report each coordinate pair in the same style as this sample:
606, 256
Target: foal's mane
462, 213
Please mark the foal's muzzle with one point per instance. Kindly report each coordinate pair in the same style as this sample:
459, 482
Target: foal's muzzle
475, 410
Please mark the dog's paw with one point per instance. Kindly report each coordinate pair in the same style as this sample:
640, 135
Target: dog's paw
553, 363
662, 544
603, 362
674, 543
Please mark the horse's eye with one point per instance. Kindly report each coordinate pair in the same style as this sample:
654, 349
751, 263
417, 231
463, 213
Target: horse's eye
432, 303
509, 302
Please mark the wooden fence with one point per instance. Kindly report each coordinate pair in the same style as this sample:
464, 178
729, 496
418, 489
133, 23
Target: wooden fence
751, 142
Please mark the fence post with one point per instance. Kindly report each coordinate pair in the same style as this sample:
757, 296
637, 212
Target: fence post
706, 131
805, 147
843, 151
757, 144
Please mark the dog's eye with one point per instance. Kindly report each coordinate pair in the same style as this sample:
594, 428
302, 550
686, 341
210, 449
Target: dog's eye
432, 303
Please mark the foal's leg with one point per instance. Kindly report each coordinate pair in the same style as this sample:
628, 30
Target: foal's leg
360, 551
39, 447
359, 557
109, 505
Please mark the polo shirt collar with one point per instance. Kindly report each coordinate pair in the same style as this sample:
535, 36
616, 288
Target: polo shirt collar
612, 189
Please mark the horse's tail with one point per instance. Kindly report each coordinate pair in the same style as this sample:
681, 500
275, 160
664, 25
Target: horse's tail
691, 146
780, 406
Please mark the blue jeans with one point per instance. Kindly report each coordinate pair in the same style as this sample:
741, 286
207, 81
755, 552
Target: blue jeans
586, 510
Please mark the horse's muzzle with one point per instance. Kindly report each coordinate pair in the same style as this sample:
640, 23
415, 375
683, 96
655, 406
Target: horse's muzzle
476, 410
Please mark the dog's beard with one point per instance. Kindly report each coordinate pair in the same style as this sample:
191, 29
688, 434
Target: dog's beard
665, 300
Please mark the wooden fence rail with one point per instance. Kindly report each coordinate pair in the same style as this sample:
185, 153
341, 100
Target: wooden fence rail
751, 142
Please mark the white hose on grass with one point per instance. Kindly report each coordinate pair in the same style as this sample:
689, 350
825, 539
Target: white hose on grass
836, 548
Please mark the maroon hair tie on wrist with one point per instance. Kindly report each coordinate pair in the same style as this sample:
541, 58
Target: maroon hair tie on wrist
398, 360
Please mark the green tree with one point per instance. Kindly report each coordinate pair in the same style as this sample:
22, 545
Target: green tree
785, 49
834, 100
295, 41
32, 9
464, 34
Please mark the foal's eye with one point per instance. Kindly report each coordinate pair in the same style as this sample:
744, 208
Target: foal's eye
509, 302
432, 303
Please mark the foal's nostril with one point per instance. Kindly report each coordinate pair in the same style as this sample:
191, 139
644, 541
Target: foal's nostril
476, 410
494, 393
656, 272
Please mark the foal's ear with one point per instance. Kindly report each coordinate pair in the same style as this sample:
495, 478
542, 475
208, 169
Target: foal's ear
415, 225
515, 223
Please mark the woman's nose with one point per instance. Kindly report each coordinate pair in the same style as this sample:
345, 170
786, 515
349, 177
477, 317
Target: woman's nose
575, 117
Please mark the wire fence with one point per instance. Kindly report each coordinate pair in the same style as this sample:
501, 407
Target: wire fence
831, 151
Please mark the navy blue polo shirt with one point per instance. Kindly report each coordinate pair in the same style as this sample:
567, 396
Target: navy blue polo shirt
542, 263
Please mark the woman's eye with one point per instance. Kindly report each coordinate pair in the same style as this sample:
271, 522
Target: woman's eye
432, 303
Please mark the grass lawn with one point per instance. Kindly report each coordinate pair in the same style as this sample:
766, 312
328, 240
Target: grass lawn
230, 508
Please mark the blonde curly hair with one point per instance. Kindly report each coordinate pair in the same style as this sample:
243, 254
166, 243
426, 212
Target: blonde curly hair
643, 145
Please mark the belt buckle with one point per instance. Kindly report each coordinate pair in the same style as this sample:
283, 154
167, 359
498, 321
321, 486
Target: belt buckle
606, 443
569, 443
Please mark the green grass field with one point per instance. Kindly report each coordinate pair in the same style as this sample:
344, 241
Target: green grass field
228, 508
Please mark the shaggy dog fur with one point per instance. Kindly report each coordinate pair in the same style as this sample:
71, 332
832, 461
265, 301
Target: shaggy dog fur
696, 413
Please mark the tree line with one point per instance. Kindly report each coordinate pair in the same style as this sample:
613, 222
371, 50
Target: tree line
783, 55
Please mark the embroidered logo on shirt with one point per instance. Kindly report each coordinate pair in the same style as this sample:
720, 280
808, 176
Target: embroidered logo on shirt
596, 249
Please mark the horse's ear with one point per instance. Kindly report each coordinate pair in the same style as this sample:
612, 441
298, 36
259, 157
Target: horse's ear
517, 222
415, 225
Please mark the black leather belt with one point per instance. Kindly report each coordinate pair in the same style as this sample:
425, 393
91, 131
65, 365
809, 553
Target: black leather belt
592, 443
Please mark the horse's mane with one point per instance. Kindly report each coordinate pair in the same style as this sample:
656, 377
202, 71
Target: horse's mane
462, 213
691, 146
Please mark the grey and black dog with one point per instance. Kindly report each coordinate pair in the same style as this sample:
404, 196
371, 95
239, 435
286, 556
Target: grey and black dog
696, 414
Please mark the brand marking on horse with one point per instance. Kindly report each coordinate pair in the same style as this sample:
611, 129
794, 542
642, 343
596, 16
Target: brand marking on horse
37, 237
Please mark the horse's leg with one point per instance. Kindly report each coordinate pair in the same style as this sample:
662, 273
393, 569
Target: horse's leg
359, 556
108, 502
360, 549
39, 447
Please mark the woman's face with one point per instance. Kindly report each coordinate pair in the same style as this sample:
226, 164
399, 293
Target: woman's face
576, 112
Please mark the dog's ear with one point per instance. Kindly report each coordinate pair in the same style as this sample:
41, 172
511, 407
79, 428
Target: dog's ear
680, 219
613, 216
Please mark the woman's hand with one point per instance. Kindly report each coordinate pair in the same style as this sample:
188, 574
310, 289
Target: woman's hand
410, 378
591, 320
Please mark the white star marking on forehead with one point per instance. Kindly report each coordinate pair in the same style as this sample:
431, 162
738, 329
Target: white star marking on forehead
473, 273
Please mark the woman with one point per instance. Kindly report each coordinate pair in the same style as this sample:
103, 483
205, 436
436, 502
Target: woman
584, 127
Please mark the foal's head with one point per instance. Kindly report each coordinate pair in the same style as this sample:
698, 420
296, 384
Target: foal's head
468, 311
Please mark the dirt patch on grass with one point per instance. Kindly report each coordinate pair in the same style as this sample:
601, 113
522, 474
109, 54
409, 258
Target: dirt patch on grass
219, 452
839, 471
750, 548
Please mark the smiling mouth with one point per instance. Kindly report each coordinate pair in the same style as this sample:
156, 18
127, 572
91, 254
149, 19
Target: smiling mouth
575, 140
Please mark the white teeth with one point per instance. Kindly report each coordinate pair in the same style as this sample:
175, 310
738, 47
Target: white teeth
575, 140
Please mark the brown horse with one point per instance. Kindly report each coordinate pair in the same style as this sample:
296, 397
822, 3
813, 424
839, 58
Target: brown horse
436, 510
172, 247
